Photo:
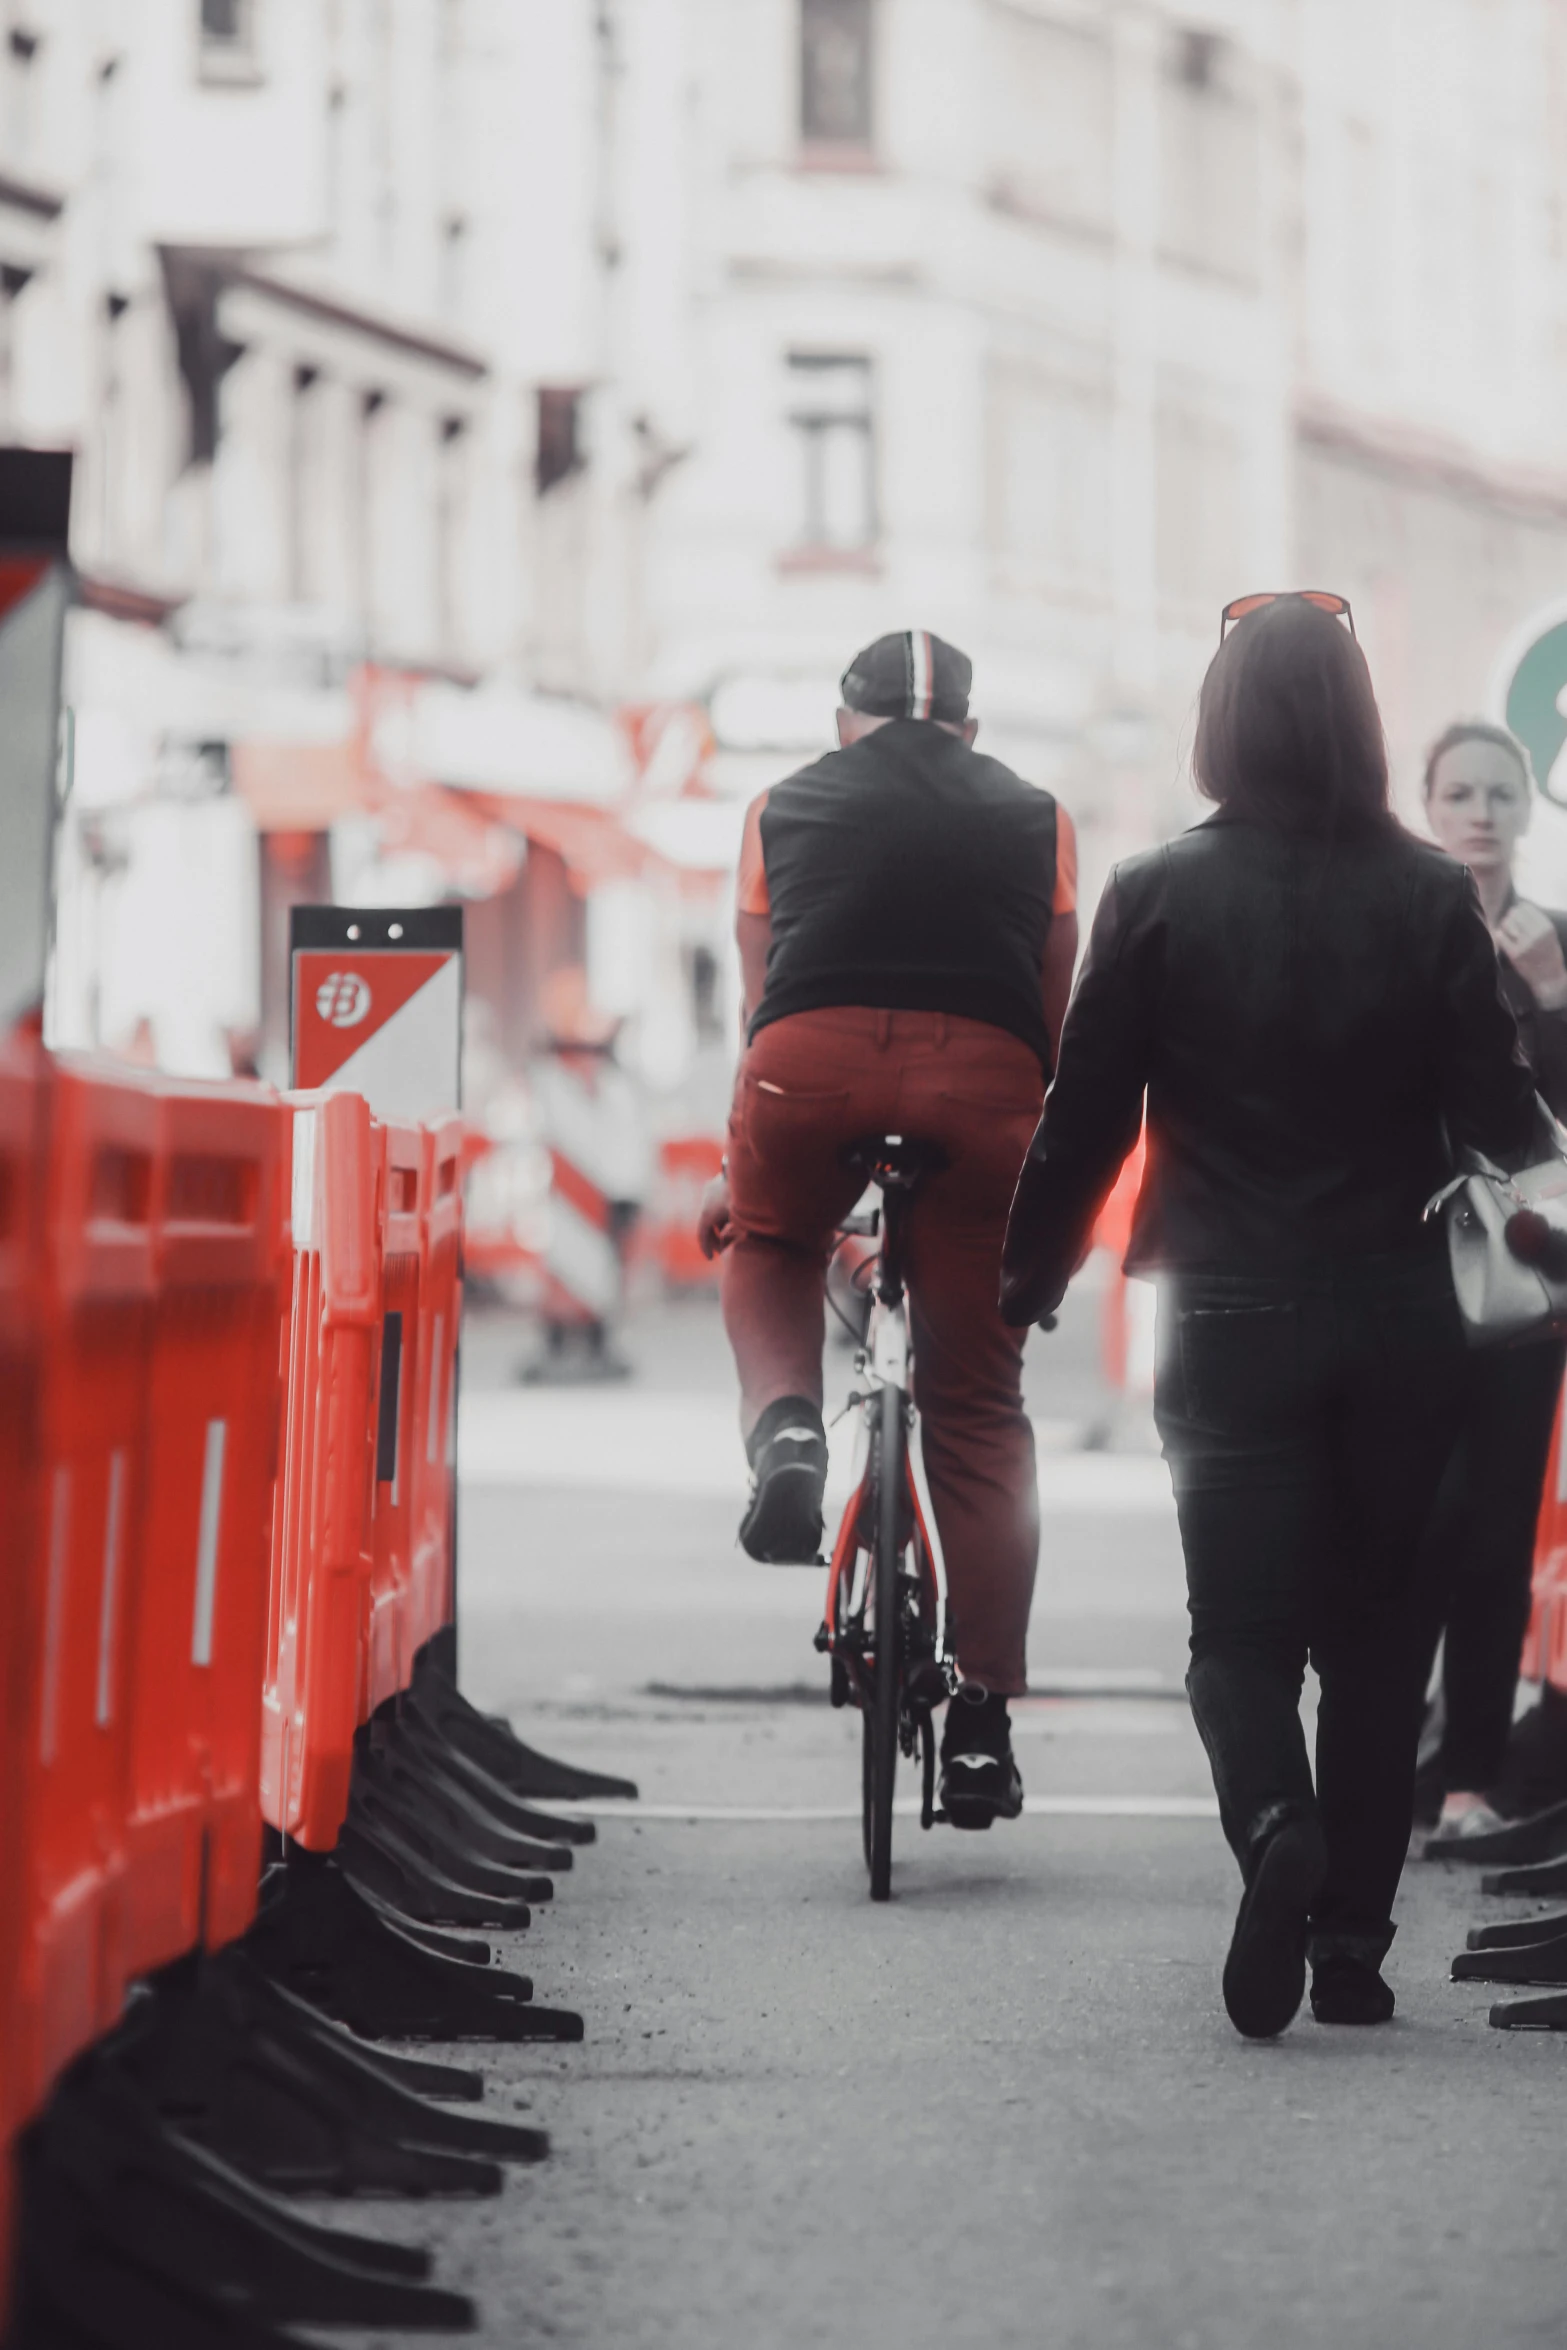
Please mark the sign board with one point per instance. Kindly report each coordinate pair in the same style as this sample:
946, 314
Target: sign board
1531, 695
375, 1005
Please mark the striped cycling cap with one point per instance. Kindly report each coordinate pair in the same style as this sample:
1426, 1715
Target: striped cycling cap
910, 675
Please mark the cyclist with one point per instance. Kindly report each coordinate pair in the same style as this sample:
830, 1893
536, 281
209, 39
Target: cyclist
907, 929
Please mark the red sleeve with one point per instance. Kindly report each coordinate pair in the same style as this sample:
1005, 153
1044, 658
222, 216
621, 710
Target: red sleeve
751, 884
1064, 898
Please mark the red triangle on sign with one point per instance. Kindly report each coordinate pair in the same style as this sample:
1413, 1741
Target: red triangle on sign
341, 998
19, 575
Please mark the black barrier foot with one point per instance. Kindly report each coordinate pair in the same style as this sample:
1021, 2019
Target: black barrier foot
76, 2289
448, 1815
322, 1940
226, 2069
1514, 1933
379, 1856
371, 1809
416, 2076
418, 1736
1521, 1962
1531, 2015
436, 1938
261, 2005
168, 2203
1541, 1837
1546, 1877
496, 1746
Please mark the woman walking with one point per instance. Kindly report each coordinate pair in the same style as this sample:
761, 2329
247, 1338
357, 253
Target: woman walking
1305, 994
1479, 1547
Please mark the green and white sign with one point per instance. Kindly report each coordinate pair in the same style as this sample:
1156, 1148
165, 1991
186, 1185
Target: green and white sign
1532, 695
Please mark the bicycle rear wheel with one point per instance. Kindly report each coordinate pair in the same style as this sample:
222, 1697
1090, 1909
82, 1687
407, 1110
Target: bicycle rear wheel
880, 1757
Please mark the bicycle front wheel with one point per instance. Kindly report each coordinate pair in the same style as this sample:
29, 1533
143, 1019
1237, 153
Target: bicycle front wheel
881, 1720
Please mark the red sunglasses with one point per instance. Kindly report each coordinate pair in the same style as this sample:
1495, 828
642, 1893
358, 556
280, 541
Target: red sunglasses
1338, 606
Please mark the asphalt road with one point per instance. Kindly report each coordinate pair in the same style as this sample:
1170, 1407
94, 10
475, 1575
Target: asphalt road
1007, 2108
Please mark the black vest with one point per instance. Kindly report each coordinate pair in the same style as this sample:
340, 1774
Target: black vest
910, 873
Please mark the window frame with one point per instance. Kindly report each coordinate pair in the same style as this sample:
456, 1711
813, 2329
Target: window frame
825, 150
230, 62
814, 548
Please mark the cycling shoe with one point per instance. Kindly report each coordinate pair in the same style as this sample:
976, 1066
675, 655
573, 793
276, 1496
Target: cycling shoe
788, 1454
980, 1781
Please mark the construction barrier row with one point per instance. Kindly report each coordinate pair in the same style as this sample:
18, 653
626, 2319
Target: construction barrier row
228, 1333
361, 1535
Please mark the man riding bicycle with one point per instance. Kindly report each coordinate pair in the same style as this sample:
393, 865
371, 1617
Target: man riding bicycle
907, 929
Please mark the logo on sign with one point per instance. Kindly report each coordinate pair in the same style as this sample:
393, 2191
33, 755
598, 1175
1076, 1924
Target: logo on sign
343, 999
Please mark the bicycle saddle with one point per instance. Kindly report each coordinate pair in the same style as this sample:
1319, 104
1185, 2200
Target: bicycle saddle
895, 1161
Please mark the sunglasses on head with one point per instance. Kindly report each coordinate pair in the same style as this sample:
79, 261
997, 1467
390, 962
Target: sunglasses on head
1243, 606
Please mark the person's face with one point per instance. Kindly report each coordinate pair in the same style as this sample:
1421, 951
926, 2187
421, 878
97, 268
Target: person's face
1478, 805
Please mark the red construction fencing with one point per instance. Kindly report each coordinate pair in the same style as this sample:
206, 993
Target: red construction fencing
193, 1668
321, 1518
1545, 1642
228, 1326
361, 1558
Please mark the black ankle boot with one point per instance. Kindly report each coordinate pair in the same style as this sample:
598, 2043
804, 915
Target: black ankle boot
1265, 1973
1346, 1977
788, 1454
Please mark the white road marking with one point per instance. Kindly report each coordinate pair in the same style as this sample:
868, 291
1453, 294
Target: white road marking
1054, 1807
688, 1446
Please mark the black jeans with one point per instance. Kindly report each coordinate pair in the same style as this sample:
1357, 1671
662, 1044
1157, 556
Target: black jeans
1478, 1554
1307, 1424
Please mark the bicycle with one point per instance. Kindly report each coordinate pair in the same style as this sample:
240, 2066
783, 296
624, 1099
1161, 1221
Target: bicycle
886, 1629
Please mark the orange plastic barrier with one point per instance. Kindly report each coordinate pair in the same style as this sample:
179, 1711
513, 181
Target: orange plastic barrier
1545, 1641
23, 1109
97, 1325
361, 1544
389, 1648
687, 1164
193, 1827
1113, 1231
440, 1317
320, 1580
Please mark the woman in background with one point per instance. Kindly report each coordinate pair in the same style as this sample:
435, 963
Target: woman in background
1308, 997
1479, 1548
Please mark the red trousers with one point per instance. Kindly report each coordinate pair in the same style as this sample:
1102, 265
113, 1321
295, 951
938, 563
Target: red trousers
806, 1087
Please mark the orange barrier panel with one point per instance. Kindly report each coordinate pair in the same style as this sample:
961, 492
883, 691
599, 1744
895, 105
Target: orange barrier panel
388, 1645
193, 1825
440, 1314
686, 1165
1545, 1641
23, 1110
97, 1351
1113, 1230
321, 1565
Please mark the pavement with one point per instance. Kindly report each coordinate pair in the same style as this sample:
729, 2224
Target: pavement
1007, 2108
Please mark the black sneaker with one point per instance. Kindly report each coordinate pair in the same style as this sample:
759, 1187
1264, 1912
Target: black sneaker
979, 1778
788, 1454
1265, 1973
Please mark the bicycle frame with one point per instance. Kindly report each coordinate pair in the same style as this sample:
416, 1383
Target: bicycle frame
886, 1361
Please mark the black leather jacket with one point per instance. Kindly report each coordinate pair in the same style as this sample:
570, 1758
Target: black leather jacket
1304, 1019
1542, 1034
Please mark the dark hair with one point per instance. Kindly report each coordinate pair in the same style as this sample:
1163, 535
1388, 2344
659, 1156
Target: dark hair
1477, 730
1288, 729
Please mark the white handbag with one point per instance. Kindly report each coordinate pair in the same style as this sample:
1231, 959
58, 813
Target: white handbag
1511, 1286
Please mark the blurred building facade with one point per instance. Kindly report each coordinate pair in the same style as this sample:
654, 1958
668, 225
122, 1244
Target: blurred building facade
1052, 324
498, 420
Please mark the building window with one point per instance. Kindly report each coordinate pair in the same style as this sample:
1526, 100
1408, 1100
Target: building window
226, 38
835, 73
558, 447
830, 416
